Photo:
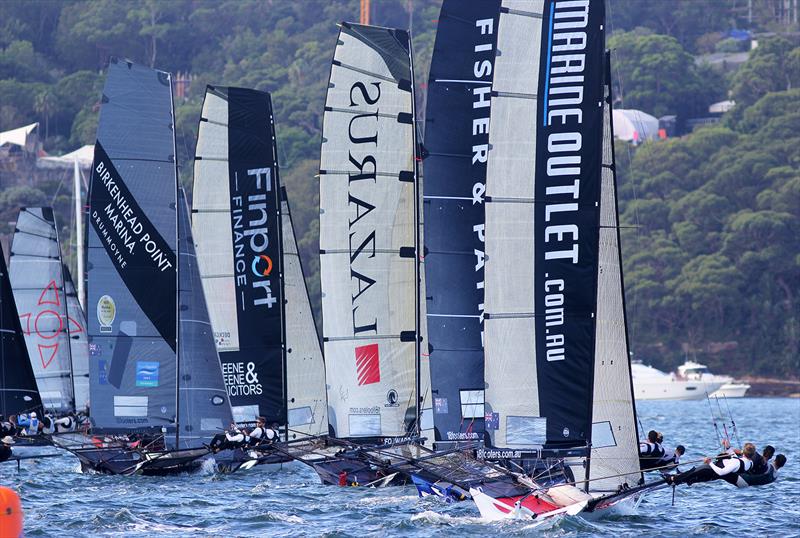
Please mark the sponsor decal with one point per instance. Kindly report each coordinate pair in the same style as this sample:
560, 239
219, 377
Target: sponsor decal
365, 410
137, 250
147, 373
102, 371
440, 406
241, 379
498, 454
94, 350
106, 312
368, 368
461, 436
391, 399
567, 191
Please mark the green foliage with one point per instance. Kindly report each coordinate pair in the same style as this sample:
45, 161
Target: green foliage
773, 66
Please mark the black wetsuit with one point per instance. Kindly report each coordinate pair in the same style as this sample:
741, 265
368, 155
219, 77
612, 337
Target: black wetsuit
705, 473
650, 455
760, 465
5, 452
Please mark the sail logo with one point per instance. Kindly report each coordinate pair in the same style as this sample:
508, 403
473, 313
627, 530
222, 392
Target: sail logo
47, 324
250, 217
241, 379
362, 132
147, 373
368, 368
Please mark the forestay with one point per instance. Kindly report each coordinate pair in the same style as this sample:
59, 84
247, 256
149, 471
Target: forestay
204, 408
132, 269
543, 184
368, 235
456, 150
237, 229
615, 444
37, 279
18, 391
305, 368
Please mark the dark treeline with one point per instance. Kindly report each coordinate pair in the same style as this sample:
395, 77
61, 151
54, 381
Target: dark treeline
712, 257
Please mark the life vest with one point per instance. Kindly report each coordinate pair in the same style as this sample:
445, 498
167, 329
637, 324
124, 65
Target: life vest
33, 426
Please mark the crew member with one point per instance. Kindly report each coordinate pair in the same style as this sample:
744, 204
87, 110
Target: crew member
671, 458
6, 426
727, 467
33, 425
233, 438
5, 448
272, 433
650, 451
66, 423
48, 426
259, 433
761, 462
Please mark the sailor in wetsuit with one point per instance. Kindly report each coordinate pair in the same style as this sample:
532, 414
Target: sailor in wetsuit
5, 448
66, 423
726, 466
650, 451
761, 461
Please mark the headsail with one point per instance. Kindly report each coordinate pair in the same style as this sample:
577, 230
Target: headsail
368, 235
37, 278
236, 220
132, 266
204, 408
18, 390
615, 442
542, 214
78, 344
456, 149
305, 368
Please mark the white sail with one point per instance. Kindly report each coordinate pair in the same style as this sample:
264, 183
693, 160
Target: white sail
615, 447
37, 279
305, 368
510, 367
78, 344
367, 234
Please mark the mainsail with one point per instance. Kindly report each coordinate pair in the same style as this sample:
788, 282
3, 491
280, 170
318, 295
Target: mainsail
456, 151
615, 443
236, 217
204, 408
78, 343
18, 390
542, 215
369, 218
37, 278
305, 368
132, 262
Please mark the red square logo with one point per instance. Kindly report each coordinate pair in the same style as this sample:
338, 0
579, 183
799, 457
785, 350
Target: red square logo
368, 367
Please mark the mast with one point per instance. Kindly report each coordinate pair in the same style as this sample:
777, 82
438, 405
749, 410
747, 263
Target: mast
66, 316
178, 200
417, 251
76, 186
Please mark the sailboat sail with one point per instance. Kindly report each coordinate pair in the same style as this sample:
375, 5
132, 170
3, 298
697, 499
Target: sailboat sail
368, 235
132, 269
456, 146
38, 281
204, 408
78, 343
305, 368
542, 214
18, 390
615, 444
236, 220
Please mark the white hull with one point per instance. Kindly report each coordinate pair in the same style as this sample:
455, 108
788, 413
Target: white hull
732, 390
672, 389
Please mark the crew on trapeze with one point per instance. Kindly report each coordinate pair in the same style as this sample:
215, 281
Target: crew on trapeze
239, 438
653, 455
741, 468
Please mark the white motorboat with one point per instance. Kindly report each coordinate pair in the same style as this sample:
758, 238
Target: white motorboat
696, 371
652, 384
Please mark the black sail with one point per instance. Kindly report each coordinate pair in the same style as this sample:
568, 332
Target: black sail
18, 391
132, 269
204, 408
456, 149
237, 226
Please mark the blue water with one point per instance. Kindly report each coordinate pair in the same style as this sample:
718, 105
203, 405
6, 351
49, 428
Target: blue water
60, 501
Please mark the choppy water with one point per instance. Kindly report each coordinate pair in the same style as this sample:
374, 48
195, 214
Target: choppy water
60, 501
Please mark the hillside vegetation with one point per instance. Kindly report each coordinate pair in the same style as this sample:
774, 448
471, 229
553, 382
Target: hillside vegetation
711, 244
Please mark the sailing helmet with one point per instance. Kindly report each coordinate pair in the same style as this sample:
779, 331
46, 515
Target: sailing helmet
33, 414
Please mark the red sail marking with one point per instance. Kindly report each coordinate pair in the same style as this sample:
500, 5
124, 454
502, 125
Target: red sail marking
74, 326
26, 325
51, 291
368, 364
47, 353
47, 335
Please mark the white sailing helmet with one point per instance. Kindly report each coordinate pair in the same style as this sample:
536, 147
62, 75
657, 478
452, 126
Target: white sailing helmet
33, 414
